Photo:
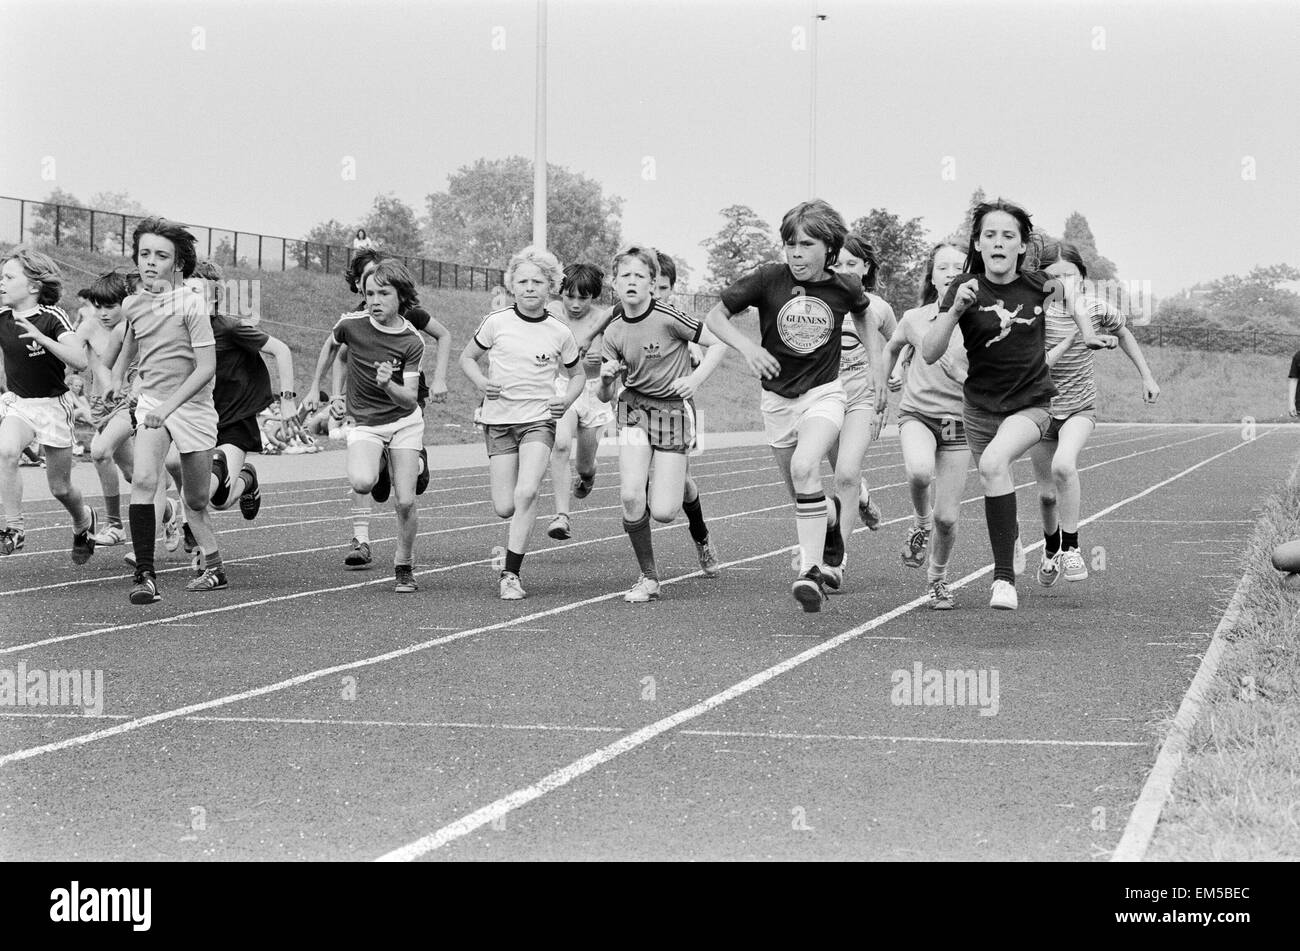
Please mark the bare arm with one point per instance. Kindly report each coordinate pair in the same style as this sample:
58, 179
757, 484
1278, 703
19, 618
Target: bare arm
328, 351
715, 351
1150, 388
718, 322
442, 337
469, 358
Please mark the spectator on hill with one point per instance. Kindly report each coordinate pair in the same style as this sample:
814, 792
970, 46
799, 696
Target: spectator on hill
362, 242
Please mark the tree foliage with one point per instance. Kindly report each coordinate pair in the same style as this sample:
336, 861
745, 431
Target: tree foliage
744, 242
901, 248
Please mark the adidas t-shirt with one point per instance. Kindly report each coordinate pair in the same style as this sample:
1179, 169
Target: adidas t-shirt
799, 323
32, 371
1004, 334
655, 347
524, 356
1073, 377
370, 344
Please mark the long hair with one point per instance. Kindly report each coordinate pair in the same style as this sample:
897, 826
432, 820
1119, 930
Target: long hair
974, 261
40, 269
1062, 251
930, 293
861, 248
817, 220
182, 241
394, 274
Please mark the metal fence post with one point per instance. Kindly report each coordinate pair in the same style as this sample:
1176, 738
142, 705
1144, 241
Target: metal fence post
57, 222
92, 229
422, 263
22, 213
234, 255
284, 254
327, 259
259, 252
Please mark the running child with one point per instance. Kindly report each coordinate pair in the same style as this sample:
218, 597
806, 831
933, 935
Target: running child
647, 344
1056, 458
801, 309
577, 435
1008, 390
930, 429
383, 380
38, 342
167, 324
526, 348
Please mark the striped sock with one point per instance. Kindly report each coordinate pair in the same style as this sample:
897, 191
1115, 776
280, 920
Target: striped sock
810, 521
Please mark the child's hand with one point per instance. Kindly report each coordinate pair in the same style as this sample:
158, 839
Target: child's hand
1101, 342
384, 372
965, 296
438, 392
491, 390
28, 331
895, 383
558, 406
610, 369
764, 365
1151, 392
685, 386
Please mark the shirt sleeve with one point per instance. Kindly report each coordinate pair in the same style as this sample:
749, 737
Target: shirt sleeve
609, 347
951, 294
858, 298
746, 292
568, 348
53, 322
685, 327
413, 357
1295, 367
418, 318
248, 337
340, 331
485, 336
197, 322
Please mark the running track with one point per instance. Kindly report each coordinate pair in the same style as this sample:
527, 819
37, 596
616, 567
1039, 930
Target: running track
310, 713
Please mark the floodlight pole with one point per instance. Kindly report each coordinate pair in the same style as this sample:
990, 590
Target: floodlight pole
812, 107
539, 147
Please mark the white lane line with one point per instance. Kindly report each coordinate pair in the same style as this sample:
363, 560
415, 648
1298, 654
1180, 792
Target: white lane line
1141, 825
420, 724
195, 708
887, 738
579, 767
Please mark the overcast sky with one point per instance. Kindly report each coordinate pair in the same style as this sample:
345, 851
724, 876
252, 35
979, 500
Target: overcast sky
1150, 118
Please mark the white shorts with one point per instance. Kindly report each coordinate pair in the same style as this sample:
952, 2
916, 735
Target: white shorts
404, 433
859, 387
192, 426
592, 412
50, 417
782, 415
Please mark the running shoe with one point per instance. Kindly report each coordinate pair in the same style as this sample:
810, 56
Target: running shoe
384, 484
582, 485
172, 526
83, 543
191, 543
405, 580
1072, 566
145, 588
511, 589
645, 589
560, 527
708, 559
250, 500
211, 579
868, 510
129, 560
113, 535
808, 591
918, 541
11, 540
1018, 558
1049, 570
833, 548
422, 480
1004, 596
220, 469
941, 598
833, 577
358, 557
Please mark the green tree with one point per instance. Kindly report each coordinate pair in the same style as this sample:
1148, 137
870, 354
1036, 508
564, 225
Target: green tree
47, 225
109, 228
392, 226
486, 215
901, 249
1255, 302
1079, 233
960, 236
334, 233
744, 242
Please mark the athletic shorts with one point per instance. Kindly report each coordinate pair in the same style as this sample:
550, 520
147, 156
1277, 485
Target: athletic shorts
949, 434
241, 433
50, 417
1053, 433
192, 426
782, 415
982, 426
404, 433
593, 412
668, 423
103, 410
859, 387
505, 439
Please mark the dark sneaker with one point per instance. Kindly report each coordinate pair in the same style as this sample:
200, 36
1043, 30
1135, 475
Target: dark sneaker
220, 469
405, 580
211, 579
250, 502
145, 589
807, 590
940, 596
384, 484
582, 485
191, 543
422, 480
83, 543
914, 551
869, 511
11, 540
358, 557
833, 549
708, 558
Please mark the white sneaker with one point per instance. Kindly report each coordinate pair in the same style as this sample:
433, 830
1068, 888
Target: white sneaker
1018, 558
511, 589
172, 527
112, 535
1072, 566
645, 589
1004, 596
1049, 570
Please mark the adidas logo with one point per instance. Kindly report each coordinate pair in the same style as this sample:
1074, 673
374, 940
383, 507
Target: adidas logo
34, 349
652, 350
542, 359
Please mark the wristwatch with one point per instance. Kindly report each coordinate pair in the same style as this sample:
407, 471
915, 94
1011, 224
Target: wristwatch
288, 395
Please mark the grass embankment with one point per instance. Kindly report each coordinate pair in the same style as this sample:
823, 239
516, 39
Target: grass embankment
1237, 794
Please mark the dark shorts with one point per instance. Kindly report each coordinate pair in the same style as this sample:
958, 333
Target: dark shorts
504, 440
668, 424
949, 434
103, 410
1053, 433
240, 433
982, 426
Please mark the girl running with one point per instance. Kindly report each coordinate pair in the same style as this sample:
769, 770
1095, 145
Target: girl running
801, 309
930, 430
1008, 391
526, 347
647, 343
1056, 458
